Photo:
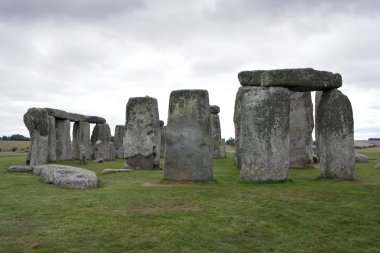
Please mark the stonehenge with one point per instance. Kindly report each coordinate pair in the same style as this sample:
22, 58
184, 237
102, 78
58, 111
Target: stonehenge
162, 143
273, 130
49, 130
189, 150
142, 135
118, 140
218, 147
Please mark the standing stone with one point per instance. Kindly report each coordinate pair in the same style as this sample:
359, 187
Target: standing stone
83, 154
81, 136
111, 150
222, 148
52, 140
142, 133
216, 131
100, 138
37, 122
264, 134
335, 125
162, 143
237, 115
301, 124
118, 141
189, 150
318, 95
64, 149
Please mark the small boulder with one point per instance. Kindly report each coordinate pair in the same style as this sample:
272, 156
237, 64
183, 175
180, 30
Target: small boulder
377, 166
68, 176
109, 171
360, 158
20, 168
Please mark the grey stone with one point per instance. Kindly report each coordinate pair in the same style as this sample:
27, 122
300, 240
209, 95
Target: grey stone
301, 124
111, 151
318, 95
81, 137
75, 117
303, 79
142, 133
99, 160
222, 148
188, 154
264, 134
100, 138
335, 125
250, 78
237, 116
64, 150
57, 113
361, 158
109, 171
52, 140
214, 109
83, 154
118, 140
377, 166
37, 122
68, 176
21, 168
95, 120
216, 131
162, 143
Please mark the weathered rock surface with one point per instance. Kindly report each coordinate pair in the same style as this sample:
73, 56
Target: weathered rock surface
142, 133
118, 140
81, 136
74, 117
37, 122
264, 134
301, 124
303, 79
52, 140
216, 131
21, 168
188, 154
109, 171
100, 138
83, 154
377, 166
237, 116
162, 143
361, 158
222, 148
318, 95
64, 150
250, 78
335, 125
67, 176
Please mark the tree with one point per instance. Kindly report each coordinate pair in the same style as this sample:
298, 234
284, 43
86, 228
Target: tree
230, 141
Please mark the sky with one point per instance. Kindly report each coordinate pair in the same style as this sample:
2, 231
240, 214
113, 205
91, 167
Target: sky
91, 56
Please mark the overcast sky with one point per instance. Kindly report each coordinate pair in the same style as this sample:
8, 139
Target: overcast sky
91, 56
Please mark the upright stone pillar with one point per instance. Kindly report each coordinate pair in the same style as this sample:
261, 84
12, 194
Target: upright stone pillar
37, 122
52, 140
216, 131
264, 126
162, 143
248, 80
64, 149
100, 139
189, 150
118, 140
223, 148
142, 133
318, 95
81, 136
335, 125
301, 124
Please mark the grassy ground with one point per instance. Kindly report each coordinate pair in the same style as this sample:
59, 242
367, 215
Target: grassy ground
139, 212
6, 146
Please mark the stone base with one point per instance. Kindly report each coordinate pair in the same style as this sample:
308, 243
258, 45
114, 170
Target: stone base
142, 162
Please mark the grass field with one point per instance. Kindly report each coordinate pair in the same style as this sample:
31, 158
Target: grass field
6, 146
139, 212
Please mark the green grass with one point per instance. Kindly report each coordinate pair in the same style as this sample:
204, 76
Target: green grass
140, 212
6, 146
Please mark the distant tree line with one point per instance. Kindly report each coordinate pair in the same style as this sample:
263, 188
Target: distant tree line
374, 139
230, 141
15, 137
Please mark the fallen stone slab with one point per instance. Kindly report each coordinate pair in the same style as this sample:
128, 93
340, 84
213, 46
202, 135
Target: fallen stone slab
20, 168
360, 158
109, 171
67, 176
303, 79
